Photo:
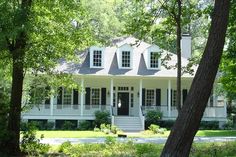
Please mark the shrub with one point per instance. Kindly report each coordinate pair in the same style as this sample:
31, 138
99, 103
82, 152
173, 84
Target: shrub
154, 128
96, 129
209, 125
68, 125
86, 125
114, 129
153, 117
110, 140
102, 117
64, 146
30, 144
50, 125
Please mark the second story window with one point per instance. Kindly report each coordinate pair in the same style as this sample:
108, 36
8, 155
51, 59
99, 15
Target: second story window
153, 60
97, 58
126, 59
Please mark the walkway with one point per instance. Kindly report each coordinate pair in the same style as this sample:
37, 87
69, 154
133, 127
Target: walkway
160, 140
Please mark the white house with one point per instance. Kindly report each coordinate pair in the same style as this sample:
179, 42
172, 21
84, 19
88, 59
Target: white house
127, 79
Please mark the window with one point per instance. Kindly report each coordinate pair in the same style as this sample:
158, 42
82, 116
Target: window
67, 97
153, 60
125, 59
150, 95
97, 58
95, 96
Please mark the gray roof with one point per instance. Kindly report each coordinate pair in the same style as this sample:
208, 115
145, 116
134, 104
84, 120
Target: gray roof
111, 66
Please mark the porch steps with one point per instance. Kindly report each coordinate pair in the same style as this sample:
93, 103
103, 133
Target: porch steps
127, 123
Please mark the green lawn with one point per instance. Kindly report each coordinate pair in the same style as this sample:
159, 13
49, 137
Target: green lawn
92, 134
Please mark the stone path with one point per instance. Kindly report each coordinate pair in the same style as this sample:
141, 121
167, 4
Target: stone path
160, 140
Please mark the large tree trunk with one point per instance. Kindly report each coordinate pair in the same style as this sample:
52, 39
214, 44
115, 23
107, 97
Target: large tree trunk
187, 123
178, 32
15, 105
17, 50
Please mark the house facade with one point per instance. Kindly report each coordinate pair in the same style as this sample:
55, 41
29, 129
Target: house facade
127, 79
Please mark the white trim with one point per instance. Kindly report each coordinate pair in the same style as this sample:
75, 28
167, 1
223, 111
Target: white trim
82, 98
147, 57
169, 98
125, 47
111, 92
91, 51
51, 105
140, 91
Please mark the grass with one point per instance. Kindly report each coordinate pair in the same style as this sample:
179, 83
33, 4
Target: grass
112, 149
92, 134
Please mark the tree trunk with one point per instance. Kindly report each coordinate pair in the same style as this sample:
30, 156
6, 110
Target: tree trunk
17, 50
15, 106
187, 123
178, 32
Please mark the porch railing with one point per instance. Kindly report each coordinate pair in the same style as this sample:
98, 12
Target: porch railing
142, 117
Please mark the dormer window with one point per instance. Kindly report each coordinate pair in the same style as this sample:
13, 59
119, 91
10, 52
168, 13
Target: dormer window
152, 57
126, 59
154, 60
96, 57
125, 56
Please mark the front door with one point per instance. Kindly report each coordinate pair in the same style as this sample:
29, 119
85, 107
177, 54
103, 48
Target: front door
123, 103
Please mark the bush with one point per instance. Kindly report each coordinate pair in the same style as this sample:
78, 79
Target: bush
153, 117
102, 117
68, 125
209, 125
114, 129
110, 140
156, 129
50, 125
86, 125
64, 146
30, 144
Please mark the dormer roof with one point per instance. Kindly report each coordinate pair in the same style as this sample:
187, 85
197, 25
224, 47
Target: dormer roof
111, 68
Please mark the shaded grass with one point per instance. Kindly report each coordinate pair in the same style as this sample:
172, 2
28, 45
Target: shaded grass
146, 134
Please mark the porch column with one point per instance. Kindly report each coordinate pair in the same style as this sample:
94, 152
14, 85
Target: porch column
169, 98
82, 98
140, 92
111, 92
51, 105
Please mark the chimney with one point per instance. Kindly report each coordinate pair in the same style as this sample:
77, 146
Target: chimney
186, 49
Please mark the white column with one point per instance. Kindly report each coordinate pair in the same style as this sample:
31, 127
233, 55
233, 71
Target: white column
51, 105
111, 93
140, 92
169, 98
82, 98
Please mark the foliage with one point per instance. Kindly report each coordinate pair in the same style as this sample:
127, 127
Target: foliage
30, 144
67, 125
209, 125
114, 129
64, 146
86, 125
156, 129
110, 140
39, 125
153, 117
149, 149
102, 117
228, 63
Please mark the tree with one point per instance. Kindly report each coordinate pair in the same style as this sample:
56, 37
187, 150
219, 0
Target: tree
187, 123
228, 65
162, 21
35, 35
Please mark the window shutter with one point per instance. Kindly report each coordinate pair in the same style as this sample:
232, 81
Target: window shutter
185, 92
143, 97
75, 96
158, 97
103, 96
59, 96
167, 97
171, 97
87, 97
